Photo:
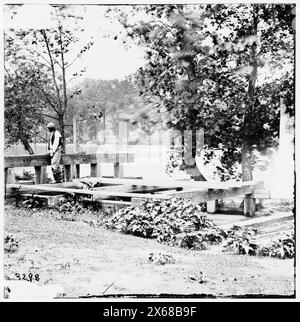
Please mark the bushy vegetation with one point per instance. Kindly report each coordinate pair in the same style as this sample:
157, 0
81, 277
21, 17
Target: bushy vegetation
11, 245
181, 223
242, 241
175, 222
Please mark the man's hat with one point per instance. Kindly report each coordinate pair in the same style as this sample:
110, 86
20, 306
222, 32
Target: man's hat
50, 125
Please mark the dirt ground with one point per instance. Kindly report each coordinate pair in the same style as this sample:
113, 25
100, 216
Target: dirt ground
88, 260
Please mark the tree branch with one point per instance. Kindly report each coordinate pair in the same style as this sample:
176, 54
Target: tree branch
33, 133
63, 69
52, 67
47, 98
47, 115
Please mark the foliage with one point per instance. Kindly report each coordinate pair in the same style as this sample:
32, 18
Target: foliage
11, 245
70, 208
161, 259
242, 241
23, 106
79, 208
239, 240
110, 101
174, 222
33, 202
214, 67
282, 247
175, 161
32, 53
27, 175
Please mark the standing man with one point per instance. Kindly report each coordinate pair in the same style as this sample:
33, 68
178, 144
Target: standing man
54, 149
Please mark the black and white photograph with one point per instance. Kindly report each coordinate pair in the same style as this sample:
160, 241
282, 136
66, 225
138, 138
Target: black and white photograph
148, 152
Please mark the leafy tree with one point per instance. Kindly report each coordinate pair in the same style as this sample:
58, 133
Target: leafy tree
110, 101
223, 68
47, 51
23, 108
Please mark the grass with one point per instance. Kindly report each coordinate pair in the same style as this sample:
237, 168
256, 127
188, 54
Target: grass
89, 260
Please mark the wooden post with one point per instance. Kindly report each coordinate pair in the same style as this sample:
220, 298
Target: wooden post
249, 205
95, 170
68, 172
211, 205
9, 175
73, 171
38, 174
118, 170
77, 171
44, 174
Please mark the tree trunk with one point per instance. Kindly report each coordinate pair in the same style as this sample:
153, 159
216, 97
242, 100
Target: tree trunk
27, 146
246, 163
62, 132
246, 148
192, 170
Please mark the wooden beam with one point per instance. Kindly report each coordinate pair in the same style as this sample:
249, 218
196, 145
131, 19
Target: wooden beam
249, 205
259, 220
203, 194
44, 159
181, 183
68, 172
9, 175
40, 175
97, 194
77, 171
211, 205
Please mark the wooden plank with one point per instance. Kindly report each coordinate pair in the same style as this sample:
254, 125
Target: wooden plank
97, 194
181, 183
116, 202
257, 221
44, 159
201, 195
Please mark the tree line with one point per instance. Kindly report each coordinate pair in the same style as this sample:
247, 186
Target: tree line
226, 69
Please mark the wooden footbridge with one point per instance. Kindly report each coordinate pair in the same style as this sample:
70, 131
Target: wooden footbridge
122, 191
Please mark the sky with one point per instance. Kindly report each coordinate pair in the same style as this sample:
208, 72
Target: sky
107, 58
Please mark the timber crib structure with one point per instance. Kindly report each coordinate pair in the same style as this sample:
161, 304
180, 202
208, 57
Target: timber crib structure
119, 191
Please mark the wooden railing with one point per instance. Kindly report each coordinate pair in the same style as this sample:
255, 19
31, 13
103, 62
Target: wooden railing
70, 162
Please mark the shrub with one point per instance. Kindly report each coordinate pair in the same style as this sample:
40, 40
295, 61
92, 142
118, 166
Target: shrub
10, 244
175, 222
